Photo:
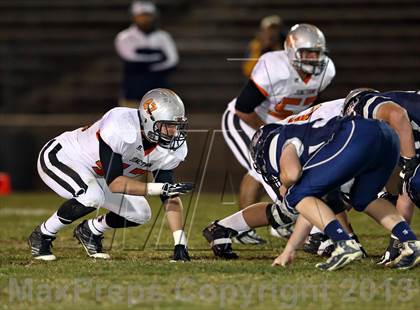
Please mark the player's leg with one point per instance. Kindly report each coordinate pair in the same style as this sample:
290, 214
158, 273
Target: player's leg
320, 215
69, 180
318, 242
219, 233
385, 214
249, 191
349, 151
363, 198
125, 211
238, 135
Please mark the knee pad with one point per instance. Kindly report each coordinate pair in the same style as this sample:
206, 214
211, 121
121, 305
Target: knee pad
140, 218
97, 200
277, 218
136, 209
72, 210
116, 221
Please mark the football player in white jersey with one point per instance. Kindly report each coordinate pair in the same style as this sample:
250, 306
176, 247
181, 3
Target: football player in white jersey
94, 167
282, 83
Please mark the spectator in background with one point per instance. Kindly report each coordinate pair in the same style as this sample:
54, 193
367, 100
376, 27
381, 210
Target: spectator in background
147, 52
270, 38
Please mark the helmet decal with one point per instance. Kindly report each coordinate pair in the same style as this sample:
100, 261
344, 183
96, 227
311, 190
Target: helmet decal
163, 118
149, 106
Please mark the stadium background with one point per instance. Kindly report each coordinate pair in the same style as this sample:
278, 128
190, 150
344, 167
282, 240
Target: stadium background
59, 69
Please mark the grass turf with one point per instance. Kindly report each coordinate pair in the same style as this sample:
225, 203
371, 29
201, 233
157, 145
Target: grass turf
141, 276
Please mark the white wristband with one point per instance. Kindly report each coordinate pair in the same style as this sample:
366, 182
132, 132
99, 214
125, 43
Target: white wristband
179, 237
154, 189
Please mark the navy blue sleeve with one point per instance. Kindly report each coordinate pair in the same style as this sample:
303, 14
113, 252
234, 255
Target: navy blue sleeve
111, 162
370, 103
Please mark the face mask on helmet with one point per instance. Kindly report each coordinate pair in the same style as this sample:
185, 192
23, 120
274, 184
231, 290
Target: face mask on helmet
310, 60
305, 48
169, 134
163, 118
257, 151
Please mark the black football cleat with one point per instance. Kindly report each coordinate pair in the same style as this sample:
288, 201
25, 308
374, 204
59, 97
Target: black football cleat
391, 253
409, 257
355, 238
319, 244
219, 238
249, 237
41, 245
91, 243
180, 254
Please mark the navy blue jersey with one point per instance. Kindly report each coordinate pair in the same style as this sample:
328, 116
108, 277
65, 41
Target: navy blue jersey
368, 105
308, 137
331, 153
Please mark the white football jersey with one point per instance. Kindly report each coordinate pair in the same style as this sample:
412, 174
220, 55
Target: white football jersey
120, 129
322, 113
284, 89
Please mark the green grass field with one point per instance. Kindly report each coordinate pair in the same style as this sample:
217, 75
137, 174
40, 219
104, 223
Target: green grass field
141, 276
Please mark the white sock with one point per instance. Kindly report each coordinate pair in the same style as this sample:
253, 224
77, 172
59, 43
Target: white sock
98, 225
179, 237
51, 226
315, 230
235, 221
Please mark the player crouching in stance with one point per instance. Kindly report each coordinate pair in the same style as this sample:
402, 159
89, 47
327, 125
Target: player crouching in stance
94, 167
399, 109
306, 161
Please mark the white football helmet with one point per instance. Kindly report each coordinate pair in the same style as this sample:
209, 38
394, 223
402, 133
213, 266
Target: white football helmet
163, 118
306, 37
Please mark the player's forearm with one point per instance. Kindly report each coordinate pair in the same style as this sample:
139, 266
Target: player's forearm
300, 232
129, 186
126, 185
174, 213
251, 119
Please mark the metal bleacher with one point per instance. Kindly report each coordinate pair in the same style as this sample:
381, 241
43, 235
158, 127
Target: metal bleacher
58, 56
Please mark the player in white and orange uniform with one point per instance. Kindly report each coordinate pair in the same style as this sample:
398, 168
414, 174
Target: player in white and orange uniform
94, 167
282, 83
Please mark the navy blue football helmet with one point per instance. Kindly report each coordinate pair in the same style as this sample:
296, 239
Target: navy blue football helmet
258, 149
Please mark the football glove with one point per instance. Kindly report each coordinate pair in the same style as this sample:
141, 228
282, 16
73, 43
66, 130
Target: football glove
180, 254
170, 190
408, 167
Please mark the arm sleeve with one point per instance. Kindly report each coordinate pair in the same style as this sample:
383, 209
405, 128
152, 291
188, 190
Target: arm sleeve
371, 106
164, 176
111, 162
249, 98
171, 54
